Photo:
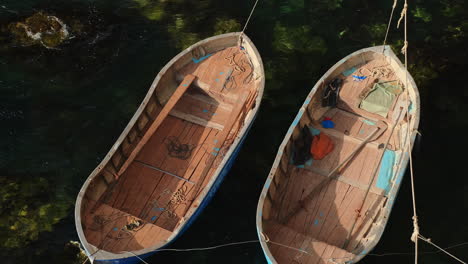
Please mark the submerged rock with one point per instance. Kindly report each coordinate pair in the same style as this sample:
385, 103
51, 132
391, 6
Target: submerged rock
40, 28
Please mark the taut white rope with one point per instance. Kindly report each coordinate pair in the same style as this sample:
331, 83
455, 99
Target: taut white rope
247, 22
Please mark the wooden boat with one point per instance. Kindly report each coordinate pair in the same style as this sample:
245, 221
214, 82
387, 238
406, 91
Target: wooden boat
172, 156
334, 210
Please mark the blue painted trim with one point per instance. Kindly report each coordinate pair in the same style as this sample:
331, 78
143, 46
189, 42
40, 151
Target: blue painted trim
349, 71
268, 183
314, 131
359, 78
368, 122
386, 171
201, 59
296, 121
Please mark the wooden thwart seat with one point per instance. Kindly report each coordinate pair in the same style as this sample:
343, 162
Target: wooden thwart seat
304, 249
114, 230
219, 95
344, 179
201, 109
159, 119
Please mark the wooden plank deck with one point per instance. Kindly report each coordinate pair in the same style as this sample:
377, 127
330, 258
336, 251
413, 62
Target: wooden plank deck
330, 212
312, 250
106, 228
177, 156
184, 85
146, 192
223, 75
357, 128
317, 213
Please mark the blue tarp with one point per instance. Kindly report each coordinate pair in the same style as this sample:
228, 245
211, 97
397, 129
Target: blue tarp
386, 170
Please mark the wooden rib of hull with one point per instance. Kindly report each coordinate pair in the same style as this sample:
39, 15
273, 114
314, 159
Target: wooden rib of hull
174, 152
306, 216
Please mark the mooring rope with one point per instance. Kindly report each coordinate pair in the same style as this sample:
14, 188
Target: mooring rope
415, 236
267, 240
246, 23
428, 240
303, 250
138, 257
389, 23
404, 50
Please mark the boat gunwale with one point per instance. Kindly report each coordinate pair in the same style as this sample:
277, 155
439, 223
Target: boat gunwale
388, 53
106, 255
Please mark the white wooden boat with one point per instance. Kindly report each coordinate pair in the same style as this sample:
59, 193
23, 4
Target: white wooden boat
172, 156
334, 210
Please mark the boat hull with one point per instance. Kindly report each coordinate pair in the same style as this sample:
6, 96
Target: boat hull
279, 177
219, 179
236, 107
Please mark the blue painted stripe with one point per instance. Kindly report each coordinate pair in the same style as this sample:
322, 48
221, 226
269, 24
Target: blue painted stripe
369, 122
201, 59
314, 131
386, 171
359, 78
349, 71
296, 121
267, 184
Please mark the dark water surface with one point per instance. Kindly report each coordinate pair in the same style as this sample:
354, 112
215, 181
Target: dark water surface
62, 109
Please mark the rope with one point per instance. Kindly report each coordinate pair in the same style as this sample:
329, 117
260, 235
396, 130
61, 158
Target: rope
333, 260
403, 14
246, 23
389, 22
208, 248
415, 234
137, 257
428, 240
178, 150
267, 240
425, 252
